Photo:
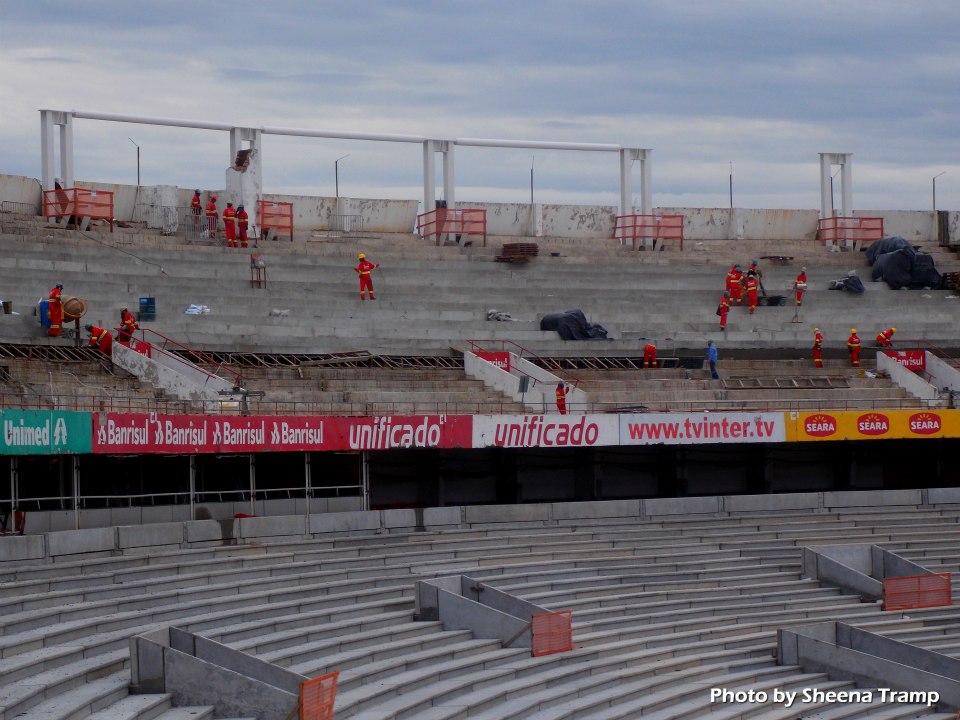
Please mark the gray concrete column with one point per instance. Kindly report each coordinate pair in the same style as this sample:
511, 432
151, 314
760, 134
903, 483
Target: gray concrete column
429, 178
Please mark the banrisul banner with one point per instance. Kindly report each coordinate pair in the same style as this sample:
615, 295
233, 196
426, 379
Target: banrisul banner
140, 433
702, 428
45, 432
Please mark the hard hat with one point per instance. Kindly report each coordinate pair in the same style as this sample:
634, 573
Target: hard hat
361, 256
88, 328
853, 331
239, 207
123, 309
753, 262
229, 204
213, 197
196, 192
893, 330
816, 330
59, 287
803, 269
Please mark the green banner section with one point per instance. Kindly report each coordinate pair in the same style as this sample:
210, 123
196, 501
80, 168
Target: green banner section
45, 432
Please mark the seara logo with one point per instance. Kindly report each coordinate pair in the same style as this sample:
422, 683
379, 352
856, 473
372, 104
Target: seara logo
873, 424
820, 425
924, 423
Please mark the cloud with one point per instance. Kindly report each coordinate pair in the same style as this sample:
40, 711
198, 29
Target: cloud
764, 85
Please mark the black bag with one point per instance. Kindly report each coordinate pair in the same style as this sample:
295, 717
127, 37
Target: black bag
718, 309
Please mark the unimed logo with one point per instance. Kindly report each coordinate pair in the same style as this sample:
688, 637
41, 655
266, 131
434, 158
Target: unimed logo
873, 424
924, 423
820, 425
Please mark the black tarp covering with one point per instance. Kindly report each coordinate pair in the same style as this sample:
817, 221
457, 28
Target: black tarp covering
850, 283
897, 263
573, 325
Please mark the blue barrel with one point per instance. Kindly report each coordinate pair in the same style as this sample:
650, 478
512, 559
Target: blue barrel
148, 308
44, 317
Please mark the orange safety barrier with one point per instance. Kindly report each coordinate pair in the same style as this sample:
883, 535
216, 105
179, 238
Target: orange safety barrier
851, 231
276, 216
444, 221
317, 697
655, 228
78, 203
917, 591
552, 632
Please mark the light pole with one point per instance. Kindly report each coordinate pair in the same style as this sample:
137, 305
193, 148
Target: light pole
138, 159
336, 177
833, 210
532, 159
731, 184
935, 189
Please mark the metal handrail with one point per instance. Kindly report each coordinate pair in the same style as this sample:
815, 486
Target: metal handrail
191, 353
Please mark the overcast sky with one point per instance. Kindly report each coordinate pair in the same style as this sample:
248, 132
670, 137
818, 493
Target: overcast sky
763, 84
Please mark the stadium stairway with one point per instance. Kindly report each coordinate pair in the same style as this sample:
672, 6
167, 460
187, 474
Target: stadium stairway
664, 610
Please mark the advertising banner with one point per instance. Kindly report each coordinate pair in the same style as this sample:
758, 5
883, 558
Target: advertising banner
701, 428
872, 425
500, 359
915, 360
151, 433
545, 430
45, 432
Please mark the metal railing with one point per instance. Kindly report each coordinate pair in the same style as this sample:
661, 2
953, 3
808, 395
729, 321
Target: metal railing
19, 208
346, 223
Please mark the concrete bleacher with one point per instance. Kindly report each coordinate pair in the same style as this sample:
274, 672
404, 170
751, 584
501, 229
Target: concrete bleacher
430, 298
667, 603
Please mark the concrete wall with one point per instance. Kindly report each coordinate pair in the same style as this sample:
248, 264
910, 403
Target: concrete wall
907, 379
514, 219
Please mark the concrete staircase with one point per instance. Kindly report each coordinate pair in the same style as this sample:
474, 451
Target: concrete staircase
664, 610
430, 298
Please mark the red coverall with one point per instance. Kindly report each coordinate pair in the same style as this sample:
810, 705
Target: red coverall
195, 204
818, 349
243, 219
55, 312
723, 310
883, 339
101, 339
229, 225
128, 324
363, 269
734, 287
212, 218
800, 287
562, 398
751, 285
650, 355
853, 345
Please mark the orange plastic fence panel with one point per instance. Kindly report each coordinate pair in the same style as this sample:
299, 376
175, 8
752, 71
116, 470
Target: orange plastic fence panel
317, 697
850, 229
552, 632
81, 202
655, 227
443, 221
274, 215
917, 591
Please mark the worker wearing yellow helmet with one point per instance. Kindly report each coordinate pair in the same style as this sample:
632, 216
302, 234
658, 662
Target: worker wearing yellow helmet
853, 347
363, 269
883, 337
817, 348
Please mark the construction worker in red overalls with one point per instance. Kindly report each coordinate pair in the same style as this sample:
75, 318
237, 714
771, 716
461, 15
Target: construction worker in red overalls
562, 392
363, 269
243, 220
100, 339
800, 286
55, 311
853, 346
649, 355
128, 325
213, 217
723, 310
817, 348
229, 224
733, 285
196, 210
751, 287
883, 337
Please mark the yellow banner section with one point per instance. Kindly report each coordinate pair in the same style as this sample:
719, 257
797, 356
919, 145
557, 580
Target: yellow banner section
871, 424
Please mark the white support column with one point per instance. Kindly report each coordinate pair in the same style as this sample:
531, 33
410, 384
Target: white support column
429, 178
628, 156
845, 161
449, 191
365, 480
66, 151
244, 187
48, 148
826, 209
251, 459
308, 486
846, 184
